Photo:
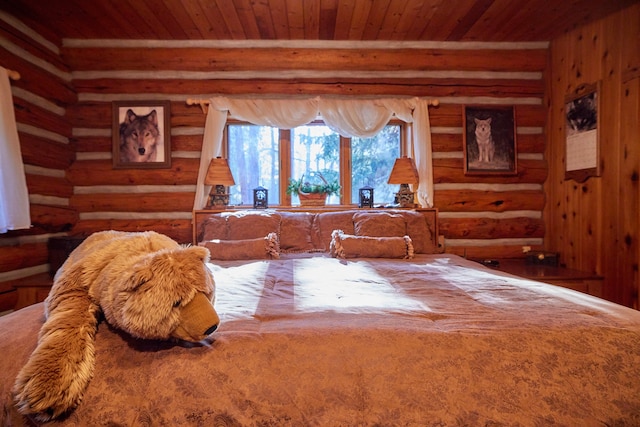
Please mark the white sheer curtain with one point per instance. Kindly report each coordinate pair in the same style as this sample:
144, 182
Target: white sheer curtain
350, 117
14, 196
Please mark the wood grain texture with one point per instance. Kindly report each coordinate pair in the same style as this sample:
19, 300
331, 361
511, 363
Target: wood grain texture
468, 20
595, 225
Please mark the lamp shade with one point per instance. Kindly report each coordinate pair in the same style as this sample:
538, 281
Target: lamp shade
404, 172
219, 173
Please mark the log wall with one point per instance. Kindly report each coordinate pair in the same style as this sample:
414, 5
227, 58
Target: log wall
595, 225
41, 97
63, 106
480, 216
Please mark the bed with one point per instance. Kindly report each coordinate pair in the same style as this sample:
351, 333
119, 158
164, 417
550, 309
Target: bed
312, 334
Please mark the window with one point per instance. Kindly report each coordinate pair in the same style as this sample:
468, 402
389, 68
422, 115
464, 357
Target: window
372, 160
254, 155
265, 156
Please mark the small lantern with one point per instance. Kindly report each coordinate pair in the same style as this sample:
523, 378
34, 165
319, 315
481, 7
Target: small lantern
260, 198
366, 197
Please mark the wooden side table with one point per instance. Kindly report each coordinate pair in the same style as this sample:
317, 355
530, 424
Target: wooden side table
568, 278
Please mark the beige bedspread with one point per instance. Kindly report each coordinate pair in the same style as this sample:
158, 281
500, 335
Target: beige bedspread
434, 341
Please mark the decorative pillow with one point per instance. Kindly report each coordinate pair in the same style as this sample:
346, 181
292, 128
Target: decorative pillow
326, 222
251, 224
229, 250
421, 232
349, 246
295, 232
379, 224
214, 227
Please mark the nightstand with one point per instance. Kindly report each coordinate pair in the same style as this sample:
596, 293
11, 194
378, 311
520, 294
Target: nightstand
582, 281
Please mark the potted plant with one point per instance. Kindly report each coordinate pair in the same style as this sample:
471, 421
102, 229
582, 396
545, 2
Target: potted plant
313, 193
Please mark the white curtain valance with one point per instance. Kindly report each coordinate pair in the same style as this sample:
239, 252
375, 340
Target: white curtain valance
350, 117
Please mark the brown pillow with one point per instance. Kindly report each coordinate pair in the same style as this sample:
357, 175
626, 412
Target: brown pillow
379, 224
214, 227
251, 225
421, 232
349, 246
326, 222
295, 231
229, 250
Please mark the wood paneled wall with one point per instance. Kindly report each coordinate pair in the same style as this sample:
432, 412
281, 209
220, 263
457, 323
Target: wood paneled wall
63, 105
40, 97
485, 216
595, 225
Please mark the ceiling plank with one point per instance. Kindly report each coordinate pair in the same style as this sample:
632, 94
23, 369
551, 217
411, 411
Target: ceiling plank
312, 20
445, 18
229, 19
247, 18
295, 19
359, 20
222, 24
391, 20
344, 16
470, 18
263, 19
195, 19
423, 20
163, 12
278, 10
328, 16
375, 19
150, 19
409, 16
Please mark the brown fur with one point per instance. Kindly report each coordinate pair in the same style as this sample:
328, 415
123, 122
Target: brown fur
144, 283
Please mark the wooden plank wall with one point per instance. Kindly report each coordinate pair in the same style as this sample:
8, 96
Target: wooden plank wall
484, 216
40, 97
595, 225
63, 106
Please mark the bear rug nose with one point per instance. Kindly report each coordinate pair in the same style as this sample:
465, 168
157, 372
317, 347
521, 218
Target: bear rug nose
211, 330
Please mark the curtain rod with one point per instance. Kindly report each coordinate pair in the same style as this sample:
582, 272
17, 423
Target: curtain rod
13, 75
203, 103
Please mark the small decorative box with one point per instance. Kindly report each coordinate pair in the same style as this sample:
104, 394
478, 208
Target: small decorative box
542, 258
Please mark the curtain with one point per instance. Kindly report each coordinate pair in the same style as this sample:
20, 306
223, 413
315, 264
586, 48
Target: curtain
14, 196
350, 117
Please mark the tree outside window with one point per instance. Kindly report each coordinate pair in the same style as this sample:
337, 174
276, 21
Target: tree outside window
255, 154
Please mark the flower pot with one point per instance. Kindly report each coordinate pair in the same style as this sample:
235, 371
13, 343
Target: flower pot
312, 199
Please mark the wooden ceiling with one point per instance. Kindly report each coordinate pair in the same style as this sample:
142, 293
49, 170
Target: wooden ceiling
393, 20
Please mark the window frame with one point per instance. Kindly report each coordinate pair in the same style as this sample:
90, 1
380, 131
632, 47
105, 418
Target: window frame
284, 155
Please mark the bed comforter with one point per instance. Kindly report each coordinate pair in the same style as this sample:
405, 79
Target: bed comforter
312, 340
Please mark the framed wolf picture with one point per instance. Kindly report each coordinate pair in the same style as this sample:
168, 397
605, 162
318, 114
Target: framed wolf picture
141, 134
489, 140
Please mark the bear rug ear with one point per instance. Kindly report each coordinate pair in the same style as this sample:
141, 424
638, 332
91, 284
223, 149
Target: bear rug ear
58, 371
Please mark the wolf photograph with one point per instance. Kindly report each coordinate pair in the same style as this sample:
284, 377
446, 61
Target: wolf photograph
140, 135
489, 140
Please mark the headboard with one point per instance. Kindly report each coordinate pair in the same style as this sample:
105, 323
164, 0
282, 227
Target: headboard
309, 230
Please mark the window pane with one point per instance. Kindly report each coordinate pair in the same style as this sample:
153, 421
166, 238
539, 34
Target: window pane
372, 160
254, 161
315, 150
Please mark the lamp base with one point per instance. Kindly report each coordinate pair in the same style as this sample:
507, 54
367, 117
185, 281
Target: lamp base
405, 197
219, 198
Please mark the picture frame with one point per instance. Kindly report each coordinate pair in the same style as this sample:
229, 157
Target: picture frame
489, 140
141, 134
582, 133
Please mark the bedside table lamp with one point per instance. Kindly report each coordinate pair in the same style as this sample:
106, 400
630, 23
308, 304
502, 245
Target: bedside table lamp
404, 172
219, 177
